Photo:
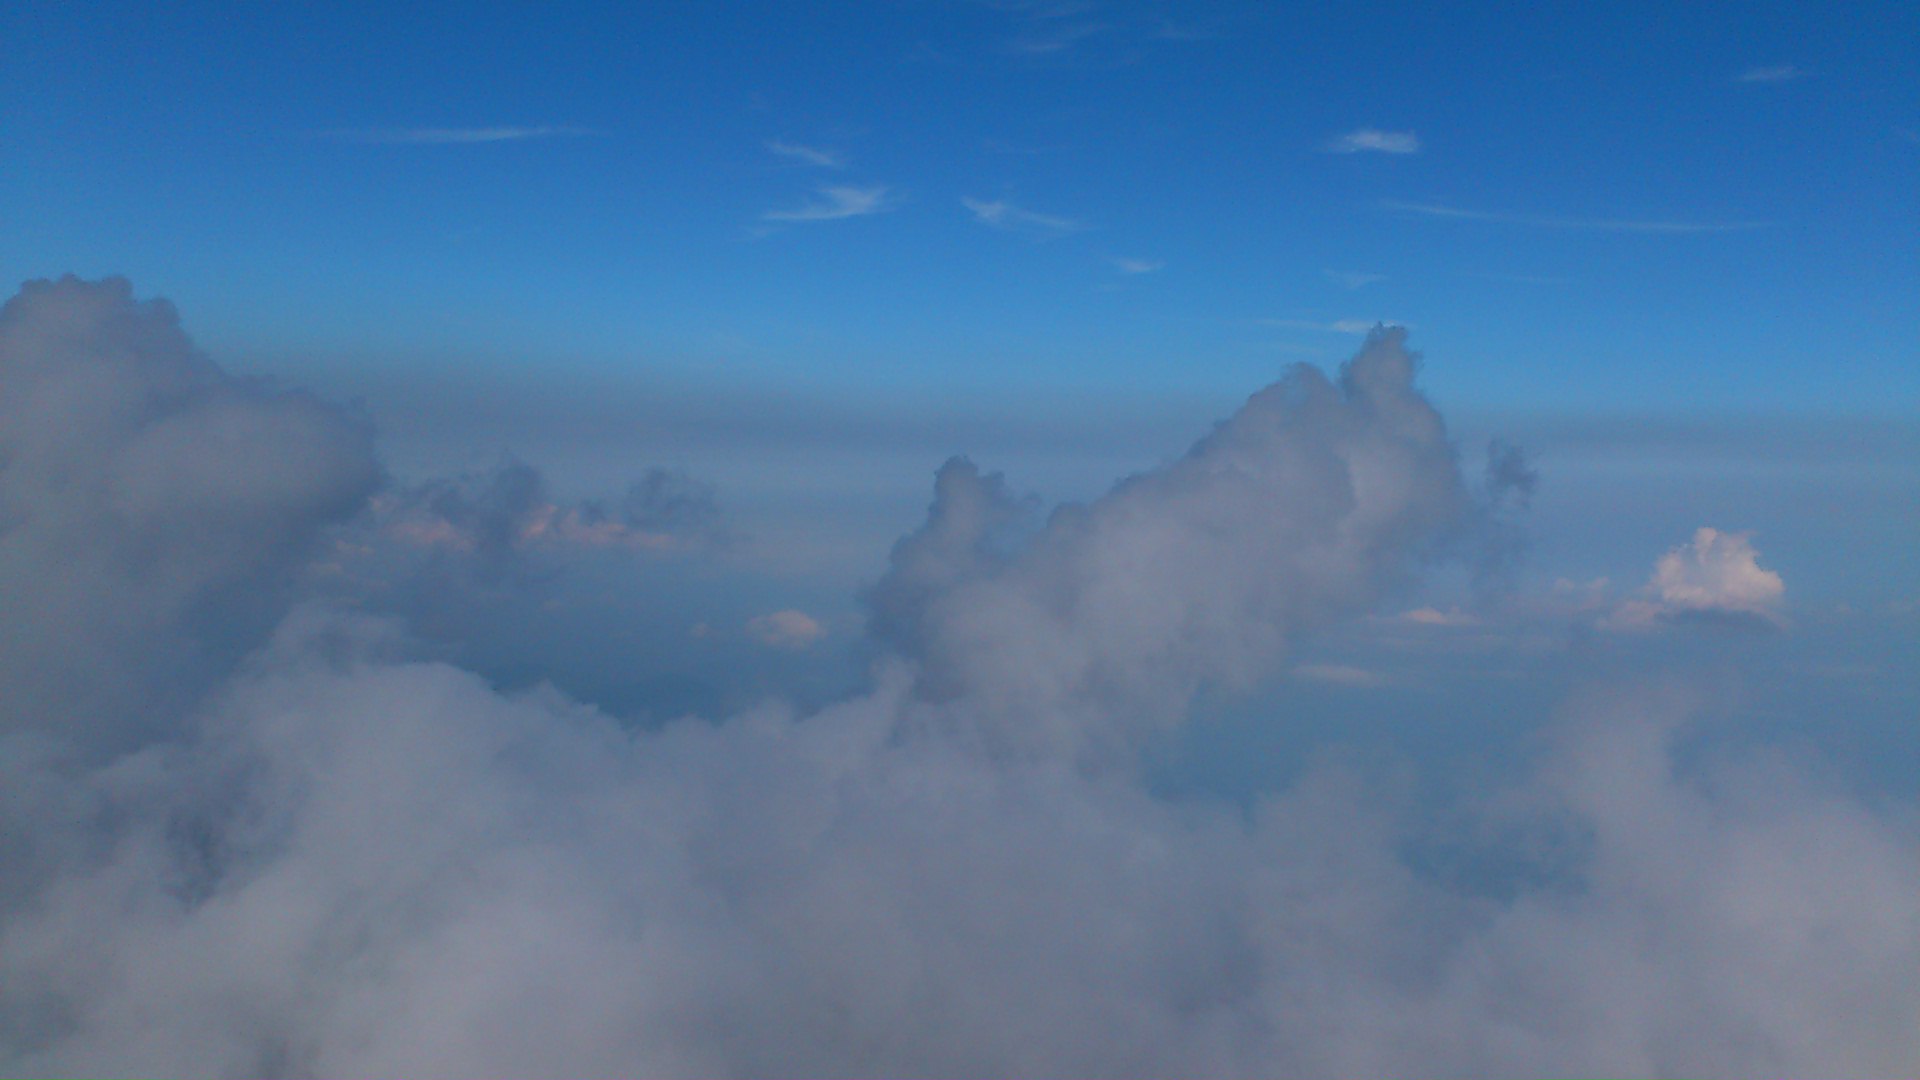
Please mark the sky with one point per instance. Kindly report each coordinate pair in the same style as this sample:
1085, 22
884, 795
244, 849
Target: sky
934, 538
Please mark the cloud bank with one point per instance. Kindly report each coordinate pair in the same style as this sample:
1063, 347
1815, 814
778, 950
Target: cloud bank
339, 859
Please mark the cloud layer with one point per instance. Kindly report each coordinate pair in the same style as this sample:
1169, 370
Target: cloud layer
343, 860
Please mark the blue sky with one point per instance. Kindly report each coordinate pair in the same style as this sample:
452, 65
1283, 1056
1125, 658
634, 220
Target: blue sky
1625, 207
807, 252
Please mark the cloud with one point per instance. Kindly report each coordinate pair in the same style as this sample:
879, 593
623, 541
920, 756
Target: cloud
1353, 279
1579, 224
1339, 675
1000, 214
1718, 574
1305, 505
1375, 141
806, 155
1138, 266
1775, 74
788, 629
455, 136
151, 507
1337, 326
1428, 616
347, 859
836, 202
508, 510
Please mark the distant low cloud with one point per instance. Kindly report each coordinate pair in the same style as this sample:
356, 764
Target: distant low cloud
833, 203
1547, 221
788, 629
1776, 74
1718, 574
1337, 326
1339, 675
806, 155
1375, 141
1353, 279
1000, 214
453, 136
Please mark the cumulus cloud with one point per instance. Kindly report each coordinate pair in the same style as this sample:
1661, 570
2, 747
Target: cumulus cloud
509, 510
347, 861
1717, 575
1373, 140
787, 629
151, 507
1306, 505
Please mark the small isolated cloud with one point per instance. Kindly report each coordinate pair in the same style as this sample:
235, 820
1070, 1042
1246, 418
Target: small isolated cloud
1137, 266
1339, 674
1717, 575
453, 136
1353, 279
1546, 221
836, 202
788, 629
1375, 141
1778, 73
1000, 214
1428, 616
806, 155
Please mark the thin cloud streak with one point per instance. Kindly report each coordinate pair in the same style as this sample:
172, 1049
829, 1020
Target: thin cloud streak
838, 202
1775, 74
1582, 224
1373, 140
1000, 214
806, 155
456, 136
1137, 266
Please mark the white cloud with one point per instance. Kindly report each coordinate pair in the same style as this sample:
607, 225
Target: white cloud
1717, 574
837, 202
806, 155
1000, 214
1373, 140
1775, 74
1428, 616
451, 136
788, 629
1626, 225
1137, 266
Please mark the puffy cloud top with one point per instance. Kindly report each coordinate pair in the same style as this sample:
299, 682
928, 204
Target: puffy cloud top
1307, 504
150, 505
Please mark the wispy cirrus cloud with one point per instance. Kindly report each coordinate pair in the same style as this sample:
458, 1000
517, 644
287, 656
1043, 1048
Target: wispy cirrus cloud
806, 155
1375, 141
1001, 214
437, 136
1137, 266
1776, 73
835, 202
1548, 221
